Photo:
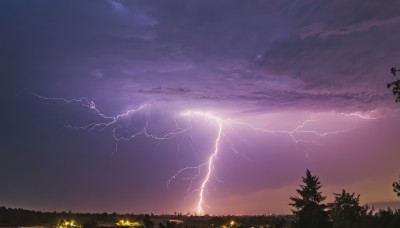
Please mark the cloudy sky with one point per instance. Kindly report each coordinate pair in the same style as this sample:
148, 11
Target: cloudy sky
112, 105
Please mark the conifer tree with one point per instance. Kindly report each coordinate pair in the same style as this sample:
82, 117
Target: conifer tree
310, 211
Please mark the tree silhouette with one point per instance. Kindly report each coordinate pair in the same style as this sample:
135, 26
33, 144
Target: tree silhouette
310, 212
395, 85
396, 187
388, 218
346, 211
147, 221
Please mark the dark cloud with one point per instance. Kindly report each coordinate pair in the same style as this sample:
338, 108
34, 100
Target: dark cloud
166, 91
204, 46
324, 33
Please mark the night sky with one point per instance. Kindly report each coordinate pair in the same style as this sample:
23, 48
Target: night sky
273, 87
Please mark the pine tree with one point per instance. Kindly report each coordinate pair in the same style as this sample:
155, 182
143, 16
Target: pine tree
309, 210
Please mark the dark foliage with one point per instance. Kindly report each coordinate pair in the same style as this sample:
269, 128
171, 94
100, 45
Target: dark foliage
147, 221
387, 219
10, 217
346, 210
396, 187
395, 85
21, 217
309, 210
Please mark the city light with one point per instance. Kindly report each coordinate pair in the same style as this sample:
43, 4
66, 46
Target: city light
68, 224
126, 222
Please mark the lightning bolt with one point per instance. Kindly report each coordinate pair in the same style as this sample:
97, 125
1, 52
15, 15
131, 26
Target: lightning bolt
300, 130
210, 168
371, 115
115, 123
211, 158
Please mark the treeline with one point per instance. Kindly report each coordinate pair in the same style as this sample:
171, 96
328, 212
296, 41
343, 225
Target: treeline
310, 211
20, 217
10, 217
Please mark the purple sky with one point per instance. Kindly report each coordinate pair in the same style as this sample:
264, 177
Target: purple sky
295, 85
